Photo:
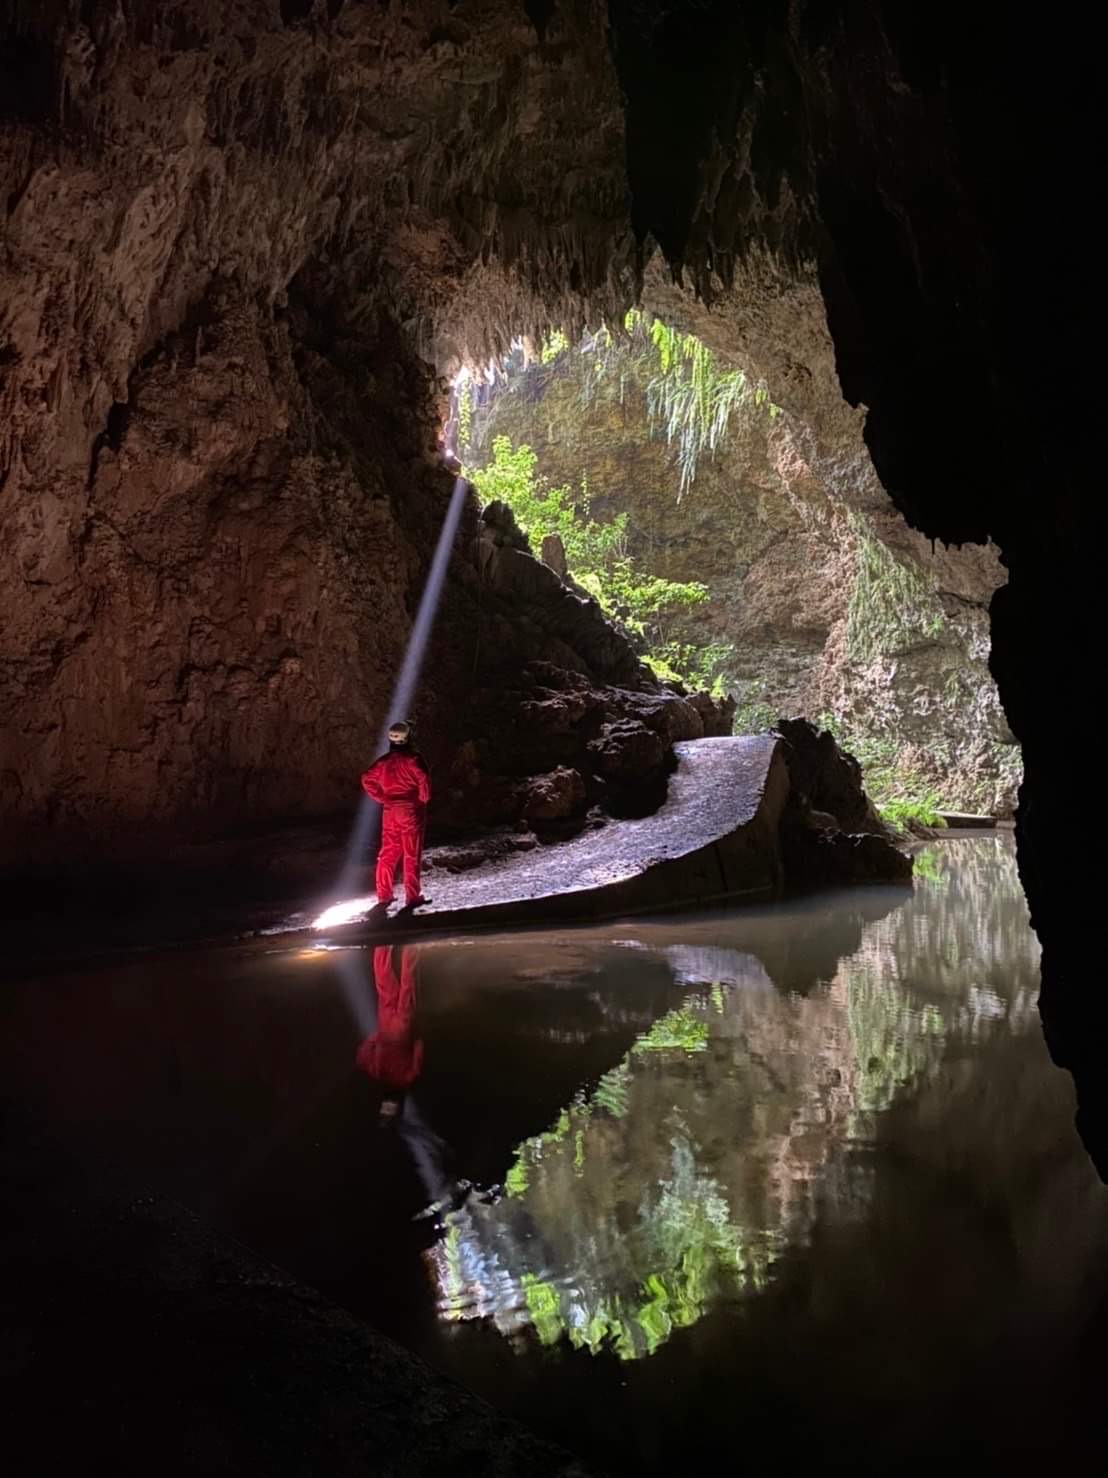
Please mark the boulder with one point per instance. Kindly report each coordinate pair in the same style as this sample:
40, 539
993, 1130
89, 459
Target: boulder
501, 529
553, 554
627, 751
830, 832
716, 714
555, 796
816, 858
824, 778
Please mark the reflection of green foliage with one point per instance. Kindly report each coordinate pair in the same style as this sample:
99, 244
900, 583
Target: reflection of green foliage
687, 1248
891, 1043
516, 1181
679, 1029
596, 553
927, 869
543, 1306
634, 1226
684, 1246
553, 346
611, 1091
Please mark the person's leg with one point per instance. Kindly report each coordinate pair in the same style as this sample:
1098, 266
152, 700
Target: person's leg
388, 856
413, 857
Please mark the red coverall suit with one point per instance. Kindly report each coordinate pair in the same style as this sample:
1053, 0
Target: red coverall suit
392, 1054
399, 782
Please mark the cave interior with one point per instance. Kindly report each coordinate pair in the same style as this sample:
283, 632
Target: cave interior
248, 246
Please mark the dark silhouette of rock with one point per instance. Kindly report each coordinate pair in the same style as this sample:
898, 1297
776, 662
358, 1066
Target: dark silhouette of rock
824, 778
554, 554
830, 833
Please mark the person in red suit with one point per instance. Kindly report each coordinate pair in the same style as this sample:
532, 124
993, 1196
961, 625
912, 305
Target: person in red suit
398, 781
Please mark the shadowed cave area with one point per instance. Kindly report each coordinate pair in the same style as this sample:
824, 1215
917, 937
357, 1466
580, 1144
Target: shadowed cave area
247, 251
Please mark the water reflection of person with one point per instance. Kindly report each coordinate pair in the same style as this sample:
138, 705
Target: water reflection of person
391, 1055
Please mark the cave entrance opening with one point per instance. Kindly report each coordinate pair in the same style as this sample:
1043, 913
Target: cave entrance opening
746, 551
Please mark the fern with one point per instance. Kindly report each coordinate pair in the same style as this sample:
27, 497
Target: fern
690, 399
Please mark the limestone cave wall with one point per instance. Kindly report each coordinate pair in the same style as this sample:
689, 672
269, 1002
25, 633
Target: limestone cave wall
229, 233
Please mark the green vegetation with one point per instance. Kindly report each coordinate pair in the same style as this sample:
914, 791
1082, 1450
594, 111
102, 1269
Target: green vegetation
597, 556
753, 714
922, 811
900, 794
690, 398
697, 667
892, 606
465, 412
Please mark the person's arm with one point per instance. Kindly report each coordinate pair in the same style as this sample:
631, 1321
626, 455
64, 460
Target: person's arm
424, 780
371, 784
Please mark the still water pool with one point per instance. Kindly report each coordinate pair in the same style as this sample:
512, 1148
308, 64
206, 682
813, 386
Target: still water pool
795, 1184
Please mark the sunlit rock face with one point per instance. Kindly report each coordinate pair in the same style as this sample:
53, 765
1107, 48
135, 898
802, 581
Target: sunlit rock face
821, 599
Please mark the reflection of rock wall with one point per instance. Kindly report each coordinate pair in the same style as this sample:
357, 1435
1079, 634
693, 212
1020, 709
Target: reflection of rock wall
824, 598
702, 1155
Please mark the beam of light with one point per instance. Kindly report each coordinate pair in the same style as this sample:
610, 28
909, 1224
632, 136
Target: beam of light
343, 913
357, 988
368, 819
